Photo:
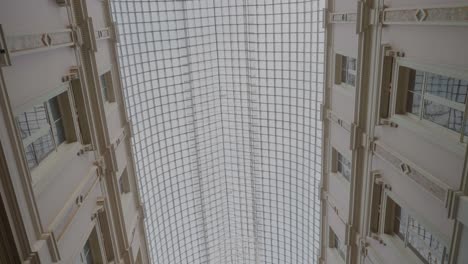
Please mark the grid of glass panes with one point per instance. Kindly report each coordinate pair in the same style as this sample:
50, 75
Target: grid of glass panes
443, 99
223, 98
348, 70
41, 130
418, 238
343, 166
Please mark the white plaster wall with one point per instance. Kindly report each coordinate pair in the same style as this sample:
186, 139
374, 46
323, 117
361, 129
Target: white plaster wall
344, 6
428, 208
17, 16
343, 102
79, 229
37, 74
97, 12
338, 188
340, 140
336, 224
63, 178
463, 253
345, 39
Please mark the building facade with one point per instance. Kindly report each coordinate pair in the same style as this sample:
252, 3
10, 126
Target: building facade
68, 188
394, 180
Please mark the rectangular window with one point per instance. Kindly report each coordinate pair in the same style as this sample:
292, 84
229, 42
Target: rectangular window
342, 165
45, 127
91, 252
337, 244
376, 207
345, 70
82, 121
416, 236
106, 87
124, 184
433, 98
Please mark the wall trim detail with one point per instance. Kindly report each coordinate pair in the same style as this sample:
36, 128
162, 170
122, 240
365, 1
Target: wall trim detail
24, 44
53, 247
67, 214
337, 120
103, 33
444, 16
342, 18
423, 179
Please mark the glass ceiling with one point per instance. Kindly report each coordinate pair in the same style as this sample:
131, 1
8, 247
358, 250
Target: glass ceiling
224, 99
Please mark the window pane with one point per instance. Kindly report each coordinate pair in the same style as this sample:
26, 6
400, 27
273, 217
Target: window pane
104, 86
31, 121
343, 166
413, 103
87, 253
351, 79
344, 72
30, 156
443, 115
54, 109
415, 81
339, 247
401, 220
446, 87
424, 244
59, 132
43, 146
351, 64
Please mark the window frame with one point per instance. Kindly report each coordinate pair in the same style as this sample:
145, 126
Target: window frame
336, 244
124, 183
71, 133
93, 241
339, 80
387, 229
107, 90
444, 136
336, 154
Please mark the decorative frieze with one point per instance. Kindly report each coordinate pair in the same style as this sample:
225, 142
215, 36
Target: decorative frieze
22, 44
450, 15
432, 185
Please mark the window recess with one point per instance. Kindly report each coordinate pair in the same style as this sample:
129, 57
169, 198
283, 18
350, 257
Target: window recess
385, 83
46, 126
91, 252
336, 244
82, 121
413, 235
345, 70
341, 164
376, 203
107, 89
435, 99
124, 183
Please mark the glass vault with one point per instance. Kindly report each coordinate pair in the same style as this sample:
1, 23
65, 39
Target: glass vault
224, 99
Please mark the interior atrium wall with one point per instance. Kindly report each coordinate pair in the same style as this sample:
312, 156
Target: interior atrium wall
224, 99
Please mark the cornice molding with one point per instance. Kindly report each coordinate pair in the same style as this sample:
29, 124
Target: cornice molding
442, 16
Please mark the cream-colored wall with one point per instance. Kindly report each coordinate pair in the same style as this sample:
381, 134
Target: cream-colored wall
437, 159
67, 190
